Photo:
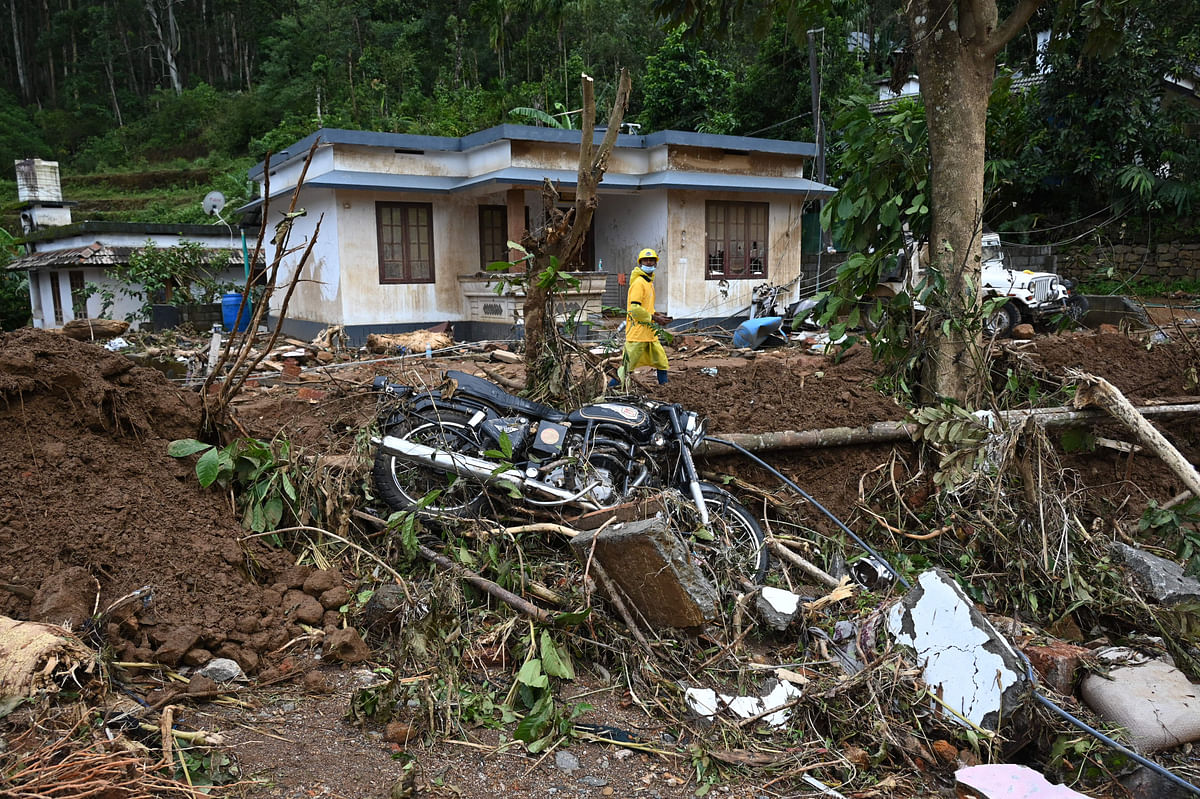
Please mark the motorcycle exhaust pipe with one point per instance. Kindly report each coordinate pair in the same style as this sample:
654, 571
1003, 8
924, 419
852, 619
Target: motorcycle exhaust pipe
466, 465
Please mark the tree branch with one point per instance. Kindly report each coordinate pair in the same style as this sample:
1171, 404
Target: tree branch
1010, 26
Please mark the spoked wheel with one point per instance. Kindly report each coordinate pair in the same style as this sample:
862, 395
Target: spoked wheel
403, 484
733, 547
1001, 321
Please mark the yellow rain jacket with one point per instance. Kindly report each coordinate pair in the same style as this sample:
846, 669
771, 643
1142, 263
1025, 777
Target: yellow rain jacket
639, 307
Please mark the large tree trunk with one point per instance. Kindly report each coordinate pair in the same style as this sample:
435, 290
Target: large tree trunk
562, 237
955, 44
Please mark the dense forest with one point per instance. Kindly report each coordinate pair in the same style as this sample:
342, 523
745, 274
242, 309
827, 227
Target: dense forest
205, 87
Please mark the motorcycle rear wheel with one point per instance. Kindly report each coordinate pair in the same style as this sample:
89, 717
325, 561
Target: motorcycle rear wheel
403, 484
738, 548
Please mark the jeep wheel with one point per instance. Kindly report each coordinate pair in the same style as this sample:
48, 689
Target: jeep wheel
1001, 321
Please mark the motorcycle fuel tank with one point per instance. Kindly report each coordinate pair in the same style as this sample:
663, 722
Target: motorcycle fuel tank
618, 413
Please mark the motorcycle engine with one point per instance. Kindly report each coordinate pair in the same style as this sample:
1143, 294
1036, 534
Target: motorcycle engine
515, 427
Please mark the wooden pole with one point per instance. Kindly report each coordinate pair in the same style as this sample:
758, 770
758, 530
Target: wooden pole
889, 432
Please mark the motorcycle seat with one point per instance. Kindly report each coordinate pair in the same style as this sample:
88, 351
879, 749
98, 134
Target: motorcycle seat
500, 399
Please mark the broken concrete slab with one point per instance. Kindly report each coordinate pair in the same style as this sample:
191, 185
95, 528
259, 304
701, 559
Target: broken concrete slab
777, 607
652, 566
976, 672
706, 702
1154, 701
1010, 782
1162, 579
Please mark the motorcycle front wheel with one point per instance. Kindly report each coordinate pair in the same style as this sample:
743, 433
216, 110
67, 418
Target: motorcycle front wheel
733, 546
403, 485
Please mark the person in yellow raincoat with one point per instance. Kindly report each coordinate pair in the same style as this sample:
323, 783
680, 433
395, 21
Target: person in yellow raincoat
642, 347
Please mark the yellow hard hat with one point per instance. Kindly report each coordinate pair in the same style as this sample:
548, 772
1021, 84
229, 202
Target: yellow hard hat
647, 253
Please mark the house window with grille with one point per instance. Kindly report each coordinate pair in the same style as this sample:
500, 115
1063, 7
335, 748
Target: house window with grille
56, 299
405, 232
78, 296
737, 240
493, 234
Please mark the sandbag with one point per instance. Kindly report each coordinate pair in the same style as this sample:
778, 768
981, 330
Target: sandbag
1154, 701
39, 659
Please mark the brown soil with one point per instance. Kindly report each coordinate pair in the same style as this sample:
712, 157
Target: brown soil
86, 482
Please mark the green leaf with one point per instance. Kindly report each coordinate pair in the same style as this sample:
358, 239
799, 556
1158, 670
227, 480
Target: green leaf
208, 467
288, 488
531, 674
556, 661
273, 511
537, 721
183, 447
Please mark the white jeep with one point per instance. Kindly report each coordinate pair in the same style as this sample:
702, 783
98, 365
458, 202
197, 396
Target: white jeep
1032, 296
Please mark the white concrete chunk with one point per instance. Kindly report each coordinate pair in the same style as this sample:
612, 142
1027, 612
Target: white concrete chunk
706, 702
966, 661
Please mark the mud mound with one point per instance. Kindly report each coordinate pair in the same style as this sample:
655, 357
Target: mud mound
1140, 371
92, 508
779, 390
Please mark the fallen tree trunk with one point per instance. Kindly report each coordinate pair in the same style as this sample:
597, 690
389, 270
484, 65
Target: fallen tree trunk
89, 329
1093, 390
890, 432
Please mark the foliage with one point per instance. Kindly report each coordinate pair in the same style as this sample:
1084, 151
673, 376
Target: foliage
259, 472
544, 724
685, 89
1179, 524
14, 287
186, 271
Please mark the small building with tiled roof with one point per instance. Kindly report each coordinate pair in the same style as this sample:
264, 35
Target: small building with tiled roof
408, 223
71, 265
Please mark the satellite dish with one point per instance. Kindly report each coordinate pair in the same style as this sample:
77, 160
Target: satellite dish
213, 202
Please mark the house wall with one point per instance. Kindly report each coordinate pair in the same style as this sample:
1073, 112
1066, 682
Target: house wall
693, 297
622, 226
317, 297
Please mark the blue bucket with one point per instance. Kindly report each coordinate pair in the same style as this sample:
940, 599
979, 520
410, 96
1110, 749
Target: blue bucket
229, 311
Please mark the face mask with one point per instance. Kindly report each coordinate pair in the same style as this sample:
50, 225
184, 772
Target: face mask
649, 270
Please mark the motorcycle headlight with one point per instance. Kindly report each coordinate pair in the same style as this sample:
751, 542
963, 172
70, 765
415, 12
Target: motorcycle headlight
694, 429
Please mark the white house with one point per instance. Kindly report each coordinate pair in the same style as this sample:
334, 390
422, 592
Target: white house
63, 257
409, 222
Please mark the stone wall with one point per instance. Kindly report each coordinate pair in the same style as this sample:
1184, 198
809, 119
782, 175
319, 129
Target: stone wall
1168, 262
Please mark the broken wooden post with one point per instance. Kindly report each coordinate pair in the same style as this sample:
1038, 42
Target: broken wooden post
1093, 390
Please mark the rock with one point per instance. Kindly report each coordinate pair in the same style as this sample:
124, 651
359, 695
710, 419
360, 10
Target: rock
200, 684
222, 670
1162, 579
387, 605
1023, 332
197, 657
566, 762
777, 607
1146, 783
1056, 663
176, 644
321, 581
303, 608
593, 782
655, 570
335, 597
945, 751
345, 645
964, 660
399, 732
1011, 782
65, 598
1154, 701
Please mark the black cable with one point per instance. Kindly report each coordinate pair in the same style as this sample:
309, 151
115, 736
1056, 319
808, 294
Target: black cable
815, 504
1150, 764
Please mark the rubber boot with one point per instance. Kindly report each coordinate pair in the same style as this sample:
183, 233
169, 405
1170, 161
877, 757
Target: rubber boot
662, 377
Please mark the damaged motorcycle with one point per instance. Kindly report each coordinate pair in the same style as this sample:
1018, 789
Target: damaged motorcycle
440, 451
